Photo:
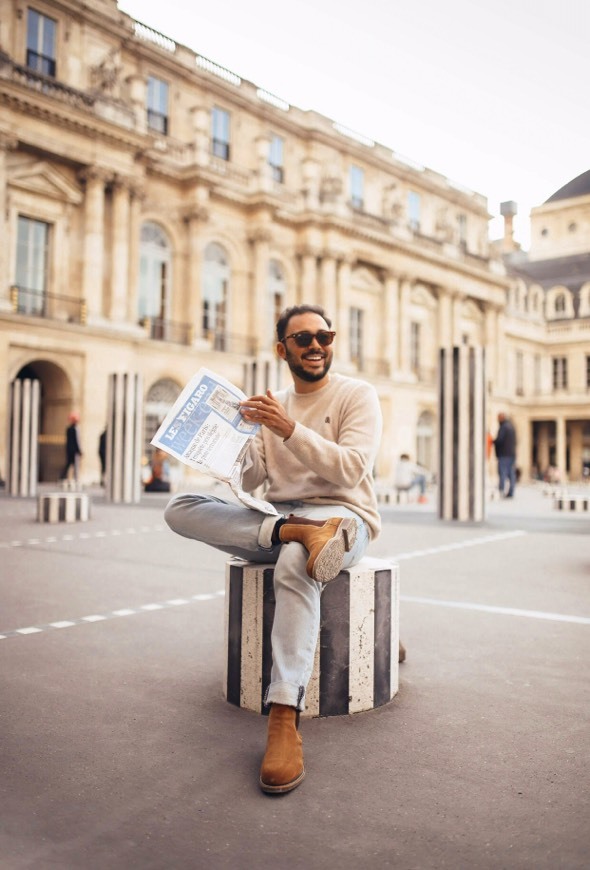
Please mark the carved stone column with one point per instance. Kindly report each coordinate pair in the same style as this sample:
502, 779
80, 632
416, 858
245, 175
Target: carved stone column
7, 143
390, 322
260, 242
264, 175
311, 183
194, 219
94, 243
341, 314
308, 289
404, 325
445, 318
138, 95
328, 281
201, 134
120, 251
137, 196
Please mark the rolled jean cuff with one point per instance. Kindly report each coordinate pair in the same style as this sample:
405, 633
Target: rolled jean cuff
286, 693
265, 533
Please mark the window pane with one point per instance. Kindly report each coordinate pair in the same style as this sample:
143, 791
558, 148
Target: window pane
357, 184
414, 209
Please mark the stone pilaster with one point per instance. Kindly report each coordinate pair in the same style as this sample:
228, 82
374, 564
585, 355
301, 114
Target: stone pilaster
328, 281
445, 318
308, 289
341, 314
137, 196
94, 243
260, 242
7, 143
390, 322
404, 325
120, 250
201, 121
194, 219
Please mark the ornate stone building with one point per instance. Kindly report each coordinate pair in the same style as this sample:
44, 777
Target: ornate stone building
157, 211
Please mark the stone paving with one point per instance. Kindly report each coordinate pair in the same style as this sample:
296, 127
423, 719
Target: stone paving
118, 750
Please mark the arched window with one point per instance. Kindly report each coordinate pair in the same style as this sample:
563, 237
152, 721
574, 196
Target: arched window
155, 259
216, 275
560, 303
277, 288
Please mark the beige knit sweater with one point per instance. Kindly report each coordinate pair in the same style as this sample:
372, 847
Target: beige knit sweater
329, 457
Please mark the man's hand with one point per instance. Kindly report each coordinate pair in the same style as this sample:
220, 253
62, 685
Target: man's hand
267, 411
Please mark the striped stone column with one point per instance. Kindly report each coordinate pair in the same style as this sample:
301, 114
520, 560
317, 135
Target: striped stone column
23, 437
124, 438
461, 472
356, 659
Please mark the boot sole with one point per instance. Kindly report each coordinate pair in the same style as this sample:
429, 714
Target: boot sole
283, 788
328, 563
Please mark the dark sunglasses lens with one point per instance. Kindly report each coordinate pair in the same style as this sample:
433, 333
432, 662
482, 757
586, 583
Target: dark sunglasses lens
304, 339
324, 338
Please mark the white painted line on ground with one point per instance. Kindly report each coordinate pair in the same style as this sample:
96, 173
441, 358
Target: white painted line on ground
503, 611
81, 536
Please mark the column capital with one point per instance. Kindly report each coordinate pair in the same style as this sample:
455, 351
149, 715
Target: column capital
8, 142
95, 173
195, 214
260, 235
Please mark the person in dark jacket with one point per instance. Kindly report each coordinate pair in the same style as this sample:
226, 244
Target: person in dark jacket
505, 446
73, 449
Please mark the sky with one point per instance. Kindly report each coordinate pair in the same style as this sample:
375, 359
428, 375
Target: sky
492, 94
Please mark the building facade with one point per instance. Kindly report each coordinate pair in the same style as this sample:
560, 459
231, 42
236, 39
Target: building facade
157, 212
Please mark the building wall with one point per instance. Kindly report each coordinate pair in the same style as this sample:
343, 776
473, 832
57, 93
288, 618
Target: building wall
77, 152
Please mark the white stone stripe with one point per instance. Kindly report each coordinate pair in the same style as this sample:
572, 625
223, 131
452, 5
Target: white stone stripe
457, 545
252, 634
361, 672
502, 611
102, 617
81, 536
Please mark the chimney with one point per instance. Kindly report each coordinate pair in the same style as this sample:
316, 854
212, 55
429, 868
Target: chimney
508, 210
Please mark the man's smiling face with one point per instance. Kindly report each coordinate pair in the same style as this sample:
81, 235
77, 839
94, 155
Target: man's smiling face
308, 364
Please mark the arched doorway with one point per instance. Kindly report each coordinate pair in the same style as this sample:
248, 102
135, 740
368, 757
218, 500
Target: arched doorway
55, 402
216, 276
160, 398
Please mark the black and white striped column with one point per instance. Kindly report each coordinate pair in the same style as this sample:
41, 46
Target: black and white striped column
356, 659
461, 468
124, 438
23, 437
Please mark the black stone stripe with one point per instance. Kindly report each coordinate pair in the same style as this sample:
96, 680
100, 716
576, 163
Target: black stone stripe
268, 609
234, 635
382, 654
335, 647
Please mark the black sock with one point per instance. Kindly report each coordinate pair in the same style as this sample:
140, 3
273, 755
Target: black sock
275, 532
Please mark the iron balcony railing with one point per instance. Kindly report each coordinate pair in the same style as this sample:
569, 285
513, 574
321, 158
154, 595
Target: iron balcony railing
52, 306
160, 329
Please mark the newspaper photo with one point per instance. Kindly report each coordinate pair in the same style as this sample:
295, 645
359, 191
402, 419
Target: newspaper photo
205, 430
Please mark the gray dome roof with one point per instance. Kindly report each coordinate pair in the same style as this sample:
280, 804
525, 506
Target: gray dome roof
579, 186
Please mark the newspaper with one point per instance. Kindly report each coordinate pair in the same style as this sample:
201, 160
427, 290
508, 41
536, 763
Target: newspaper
205, 430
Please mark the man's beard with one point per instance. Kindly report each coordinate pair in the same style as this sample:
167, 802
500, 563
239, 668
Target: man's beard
303, 374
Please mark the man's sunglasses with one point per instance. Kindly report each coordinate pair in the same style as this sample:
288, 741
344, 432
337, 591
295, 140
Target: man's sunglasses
304, 339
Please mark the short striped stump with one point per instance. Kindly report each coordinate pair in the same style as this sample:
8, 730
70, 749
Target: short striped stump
572, 503
356, 659
63, 507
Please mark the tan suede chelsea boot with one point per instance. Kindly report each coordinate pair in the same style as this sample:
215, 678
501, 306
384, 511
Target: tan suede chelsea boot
326, 541
282, 766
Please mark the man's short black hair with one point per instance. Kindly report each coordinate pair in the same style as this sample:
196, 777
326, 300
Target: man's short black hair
293, 311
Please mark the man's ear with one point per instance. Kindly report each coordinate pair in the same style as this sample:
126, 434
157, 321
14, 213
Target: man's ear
281, 352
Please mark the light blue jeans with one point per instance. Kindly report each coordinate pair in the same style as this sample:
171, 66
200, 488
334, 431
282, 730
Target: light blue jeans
246, 534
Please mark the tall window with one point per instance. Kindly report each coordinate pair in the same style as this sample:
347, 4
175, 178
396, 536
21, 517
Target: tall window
415, 347
220, 133
559, 372
276, 158
32, 246
357, 186
356, 336
588, 372
560, 304
216, 273
519, 373
41, 43
414, 210
157, 105
155, 258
